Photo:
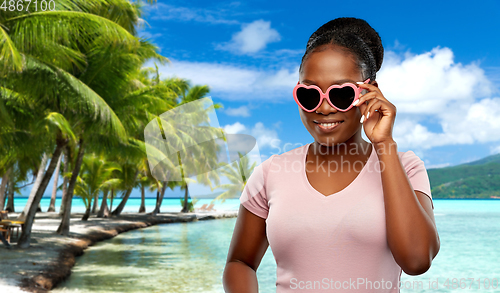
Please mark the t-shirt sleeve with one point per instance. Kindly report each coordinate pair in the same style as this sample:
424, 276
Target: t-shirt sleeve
254, 197
417, 174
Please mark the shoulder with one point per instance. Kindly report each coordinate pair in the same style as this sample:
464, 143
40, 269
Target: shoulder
410, 160
289, 158
293, 154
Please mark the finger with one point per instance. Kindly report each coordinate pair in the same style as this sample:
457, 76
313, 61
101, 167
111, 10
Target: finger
371, 108
364, 98
370, 87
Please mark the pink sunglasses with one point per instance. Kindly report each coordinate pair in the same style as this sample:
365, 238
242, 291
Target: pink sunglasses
340, 97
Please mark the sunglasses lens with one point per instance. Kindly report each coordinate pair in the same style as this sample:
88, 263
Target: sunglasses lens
308, 98
342, 97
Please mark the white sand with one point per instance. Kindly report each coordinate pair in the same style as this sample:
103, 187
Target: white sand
18, 266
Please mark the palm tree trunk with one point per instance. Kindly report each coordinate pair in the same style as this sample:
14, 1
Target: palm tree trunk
52, 206
94, 206
122, 204
24, 240
104, 211
63, 228
87, 211
65, 179
185, 208
111, 199
10, 192
142, 209
34, 190
3, 188
159, 200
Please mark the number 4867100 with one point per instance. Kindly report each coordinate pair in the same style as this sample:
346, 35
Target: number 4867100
23, 5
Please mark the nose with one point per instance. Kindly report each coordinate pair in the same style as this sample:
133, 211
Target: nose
325, 108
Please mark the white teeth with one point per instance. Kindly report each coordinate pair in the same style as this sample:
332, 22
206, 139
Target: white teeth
329, 124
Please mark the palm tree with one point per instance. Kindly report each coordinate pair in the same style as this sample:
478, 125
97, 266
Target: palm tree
63, 136
183, 137
29, 52
109, 71
52, 205
94, 178
237, 173
128, 181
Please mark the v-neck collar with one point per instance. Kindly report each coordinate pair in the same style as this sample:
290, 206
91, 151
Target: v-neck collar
341, 192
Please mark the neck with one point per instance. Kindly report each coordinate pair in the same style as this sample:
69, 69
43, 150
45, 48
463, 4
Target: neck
354, 146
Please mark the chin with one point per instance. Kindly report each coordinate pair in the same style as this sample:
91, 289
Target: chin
329, 141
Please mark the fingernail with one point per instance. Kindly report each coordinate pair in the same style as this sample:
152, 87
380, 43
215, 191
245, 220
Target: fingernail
355, 102
362, 119
359, 82
367, 115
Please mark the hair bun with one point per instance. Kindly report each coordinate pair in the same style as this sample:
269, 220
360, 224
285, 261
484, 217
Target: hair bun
351, 25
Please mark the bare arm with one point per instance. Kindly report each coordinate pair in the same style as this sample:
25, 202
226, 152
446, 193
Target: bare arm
411, 229
248, 246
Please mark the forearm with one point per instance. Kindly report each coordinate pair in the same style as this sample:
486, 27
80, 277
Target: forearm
411, 234
239, 278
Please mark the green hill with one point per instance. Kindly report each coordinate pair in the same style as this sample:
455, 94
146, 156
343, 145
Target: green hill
478, 179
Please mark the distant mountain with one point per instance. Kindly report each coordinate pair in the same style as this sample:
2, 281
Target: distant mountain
493, 158
478, 179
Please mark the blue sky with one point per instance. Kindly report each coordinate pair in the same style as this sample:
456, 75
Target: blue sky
441, 67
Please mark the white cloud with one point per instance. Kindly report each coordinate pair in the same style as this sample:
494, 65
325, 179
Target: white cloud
263, 135
234, 128
459, 97
147, 35
436, 165
495, 150
462, 124
170, 12
233, 82
428, 83
431, 84
242, 111
252, 38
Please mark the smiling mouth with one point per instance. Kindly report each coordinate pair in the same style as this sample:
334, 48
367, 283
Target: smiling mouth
328, 126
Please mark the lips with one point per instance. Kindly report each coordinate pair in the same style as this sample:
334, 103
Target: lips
328, 126
327, 120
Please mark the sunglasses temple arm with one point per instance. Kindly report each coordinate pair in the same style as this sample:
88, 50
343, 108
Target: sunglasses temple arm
366, 81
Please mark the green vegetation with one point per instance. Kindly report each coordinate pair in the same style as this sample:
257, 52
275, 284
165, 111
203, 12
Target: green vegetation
478, 179
237, 173
73, 85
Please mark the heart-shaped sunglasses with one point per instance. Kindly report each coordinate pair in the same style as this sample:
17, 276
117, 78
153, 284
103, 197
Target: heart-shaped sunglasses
340, 97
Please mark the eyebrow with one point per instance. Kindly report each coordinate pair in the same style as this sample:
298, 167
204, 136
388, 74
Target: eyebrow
336, 82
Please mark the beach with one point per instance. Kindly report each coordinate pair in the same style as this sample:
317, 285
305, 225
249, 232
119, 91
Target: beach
49, 259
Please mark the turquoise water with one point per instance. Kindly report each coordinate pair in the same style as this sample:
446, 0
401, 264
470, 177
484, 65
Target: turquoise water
133, 204
190, 257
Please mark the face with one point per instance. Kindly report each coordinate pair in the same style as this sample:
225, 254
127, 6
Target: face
324, 68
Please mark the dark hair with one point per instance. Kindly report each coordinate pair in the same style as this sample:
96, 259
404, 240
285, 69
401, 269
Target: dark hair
357, 37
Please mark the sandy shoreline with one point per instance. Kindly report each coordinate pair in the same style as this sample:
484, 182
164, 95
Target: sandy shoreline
51, 256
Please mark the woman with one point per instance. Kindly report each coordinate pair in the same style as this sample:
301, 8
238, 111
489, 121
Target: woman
339, 213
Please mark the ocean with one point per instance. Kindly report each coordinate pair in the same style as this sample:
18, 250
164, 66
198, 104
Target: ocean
133, 204
190, 257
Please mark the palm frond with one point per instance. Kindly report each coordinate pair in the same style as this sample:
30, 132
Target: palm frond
10, 58
69, 28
